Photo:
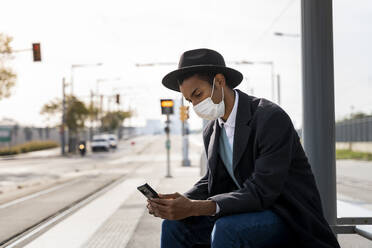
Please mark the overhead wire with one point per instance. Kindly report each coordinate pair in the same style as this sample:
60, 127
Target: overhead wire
272, 24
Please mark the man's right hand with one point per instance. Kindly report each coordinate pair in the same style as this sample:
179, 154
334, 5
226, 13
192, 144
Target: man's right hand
161, 196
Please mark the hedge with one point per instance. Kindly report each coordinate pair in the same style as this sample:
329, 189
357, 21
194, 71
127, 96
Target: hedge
28, 147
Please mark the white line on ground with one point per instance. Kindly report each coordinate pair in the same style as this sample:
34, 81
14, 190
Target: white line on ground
76, 230
43, 192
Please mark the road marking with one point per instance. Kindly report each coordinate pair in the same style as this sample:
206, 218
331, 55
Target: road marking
75, 230
43, 192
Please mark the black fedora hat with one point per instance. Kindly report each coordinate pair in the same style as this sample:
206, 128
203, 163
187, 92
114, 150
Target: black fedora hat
201, 60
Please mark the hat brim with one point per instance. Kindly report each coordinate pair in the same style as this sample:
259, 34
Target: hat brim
233, 77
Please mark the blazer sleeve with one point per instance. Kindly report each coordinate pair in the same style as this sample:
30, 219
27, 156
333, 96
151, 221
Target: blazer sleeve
200, 190
275, 140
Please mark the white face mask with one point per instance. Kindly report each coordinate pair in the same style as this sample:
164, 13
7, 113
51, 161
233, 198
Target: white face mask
209, 110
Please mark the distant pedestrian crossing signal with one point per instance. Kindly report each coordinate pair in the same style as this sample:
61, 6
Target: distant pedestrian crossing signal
166, 106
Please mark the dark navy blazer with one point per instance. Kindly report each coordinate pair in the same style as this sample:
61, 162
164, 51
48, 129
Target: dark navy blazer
271, 167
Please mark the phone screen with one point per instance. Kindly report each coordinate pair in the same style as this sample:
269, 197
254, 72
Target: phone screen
147, 191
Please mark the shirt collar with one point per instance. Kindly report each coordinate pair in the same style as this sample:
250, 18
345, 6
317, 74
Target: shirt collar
232, 117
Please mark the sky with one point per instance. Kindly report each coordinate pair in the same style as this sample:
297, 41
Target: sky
120, 34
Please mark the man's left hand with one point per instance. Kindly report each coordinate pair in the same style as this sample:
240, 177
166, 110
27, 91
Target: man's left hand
172, 206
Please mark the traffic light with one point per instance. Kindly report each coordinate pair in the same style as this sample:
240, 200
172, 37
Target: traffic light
36, 51
118, 98
184, 113
166, 106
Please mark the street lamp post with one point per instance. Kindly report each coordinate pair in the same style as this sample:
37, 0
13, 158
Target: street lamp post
281, 34
79, 66
98, 81
269, 63
63, 138
72, 146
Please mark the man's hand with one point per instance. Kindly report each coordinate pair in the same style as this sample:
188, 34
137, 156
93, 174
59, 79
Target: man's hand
172, 206
151, 211
168, 196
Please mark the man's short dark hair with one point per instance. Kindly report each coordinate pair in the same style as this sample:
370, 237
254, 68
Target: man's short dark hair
206, 76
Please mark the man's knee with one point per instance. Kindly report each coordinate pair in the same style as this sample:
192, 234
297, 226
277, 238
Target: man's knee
171, 226
223, 227
224, 233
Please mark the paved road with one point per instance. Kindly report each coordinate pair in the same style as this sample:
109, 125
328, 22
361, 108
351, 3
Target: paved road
20, 176
354, 182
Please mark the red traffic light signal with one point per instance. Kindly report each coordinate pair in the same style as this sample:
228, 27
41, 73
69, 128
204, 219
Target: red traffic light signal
36, 52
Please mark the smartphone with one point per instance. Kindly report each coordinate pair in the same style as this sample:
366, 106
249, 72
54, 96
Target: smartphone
147, 191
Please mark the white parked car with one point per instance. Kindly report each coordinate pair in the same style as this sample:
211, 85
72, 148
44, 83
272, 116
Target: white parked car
113, 140
100, 142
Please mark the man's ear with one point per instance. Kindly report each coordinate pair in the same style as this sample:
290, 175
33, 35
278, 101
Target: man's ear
220, 80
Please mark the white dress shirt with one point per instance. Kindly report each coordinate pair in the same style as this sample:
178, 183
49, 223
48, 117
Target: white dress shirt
230, 122
229, 126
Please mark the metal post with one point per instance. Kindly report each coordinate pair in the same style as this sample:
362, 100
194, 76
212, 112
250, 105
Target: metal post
278, 84
168, 148
203, 156
63, 116
101, 107
318, 99
98, 96
79, 66
72, 80
185, 142
91, 117
108, 103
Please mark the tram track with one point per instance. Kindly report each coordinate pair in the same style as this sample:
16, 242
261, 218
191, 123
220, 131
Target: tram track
59, 215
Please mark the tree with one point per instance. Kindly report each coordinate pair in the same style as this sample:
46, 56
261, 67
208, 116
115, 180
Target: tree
354, 116
76, 112
359, 115
93, 112
7, 76
113, 120
51, 109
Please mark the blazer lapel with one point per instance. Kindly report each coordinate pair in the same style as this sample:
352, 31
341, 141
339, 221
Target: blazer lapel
242, 128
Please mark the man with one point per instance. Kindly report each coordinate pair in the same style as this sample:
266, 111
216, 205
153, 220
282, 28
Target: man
259, 190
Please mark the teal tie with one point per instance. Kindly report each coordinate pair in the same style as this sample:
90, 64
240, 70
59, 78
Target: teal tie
226, 153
